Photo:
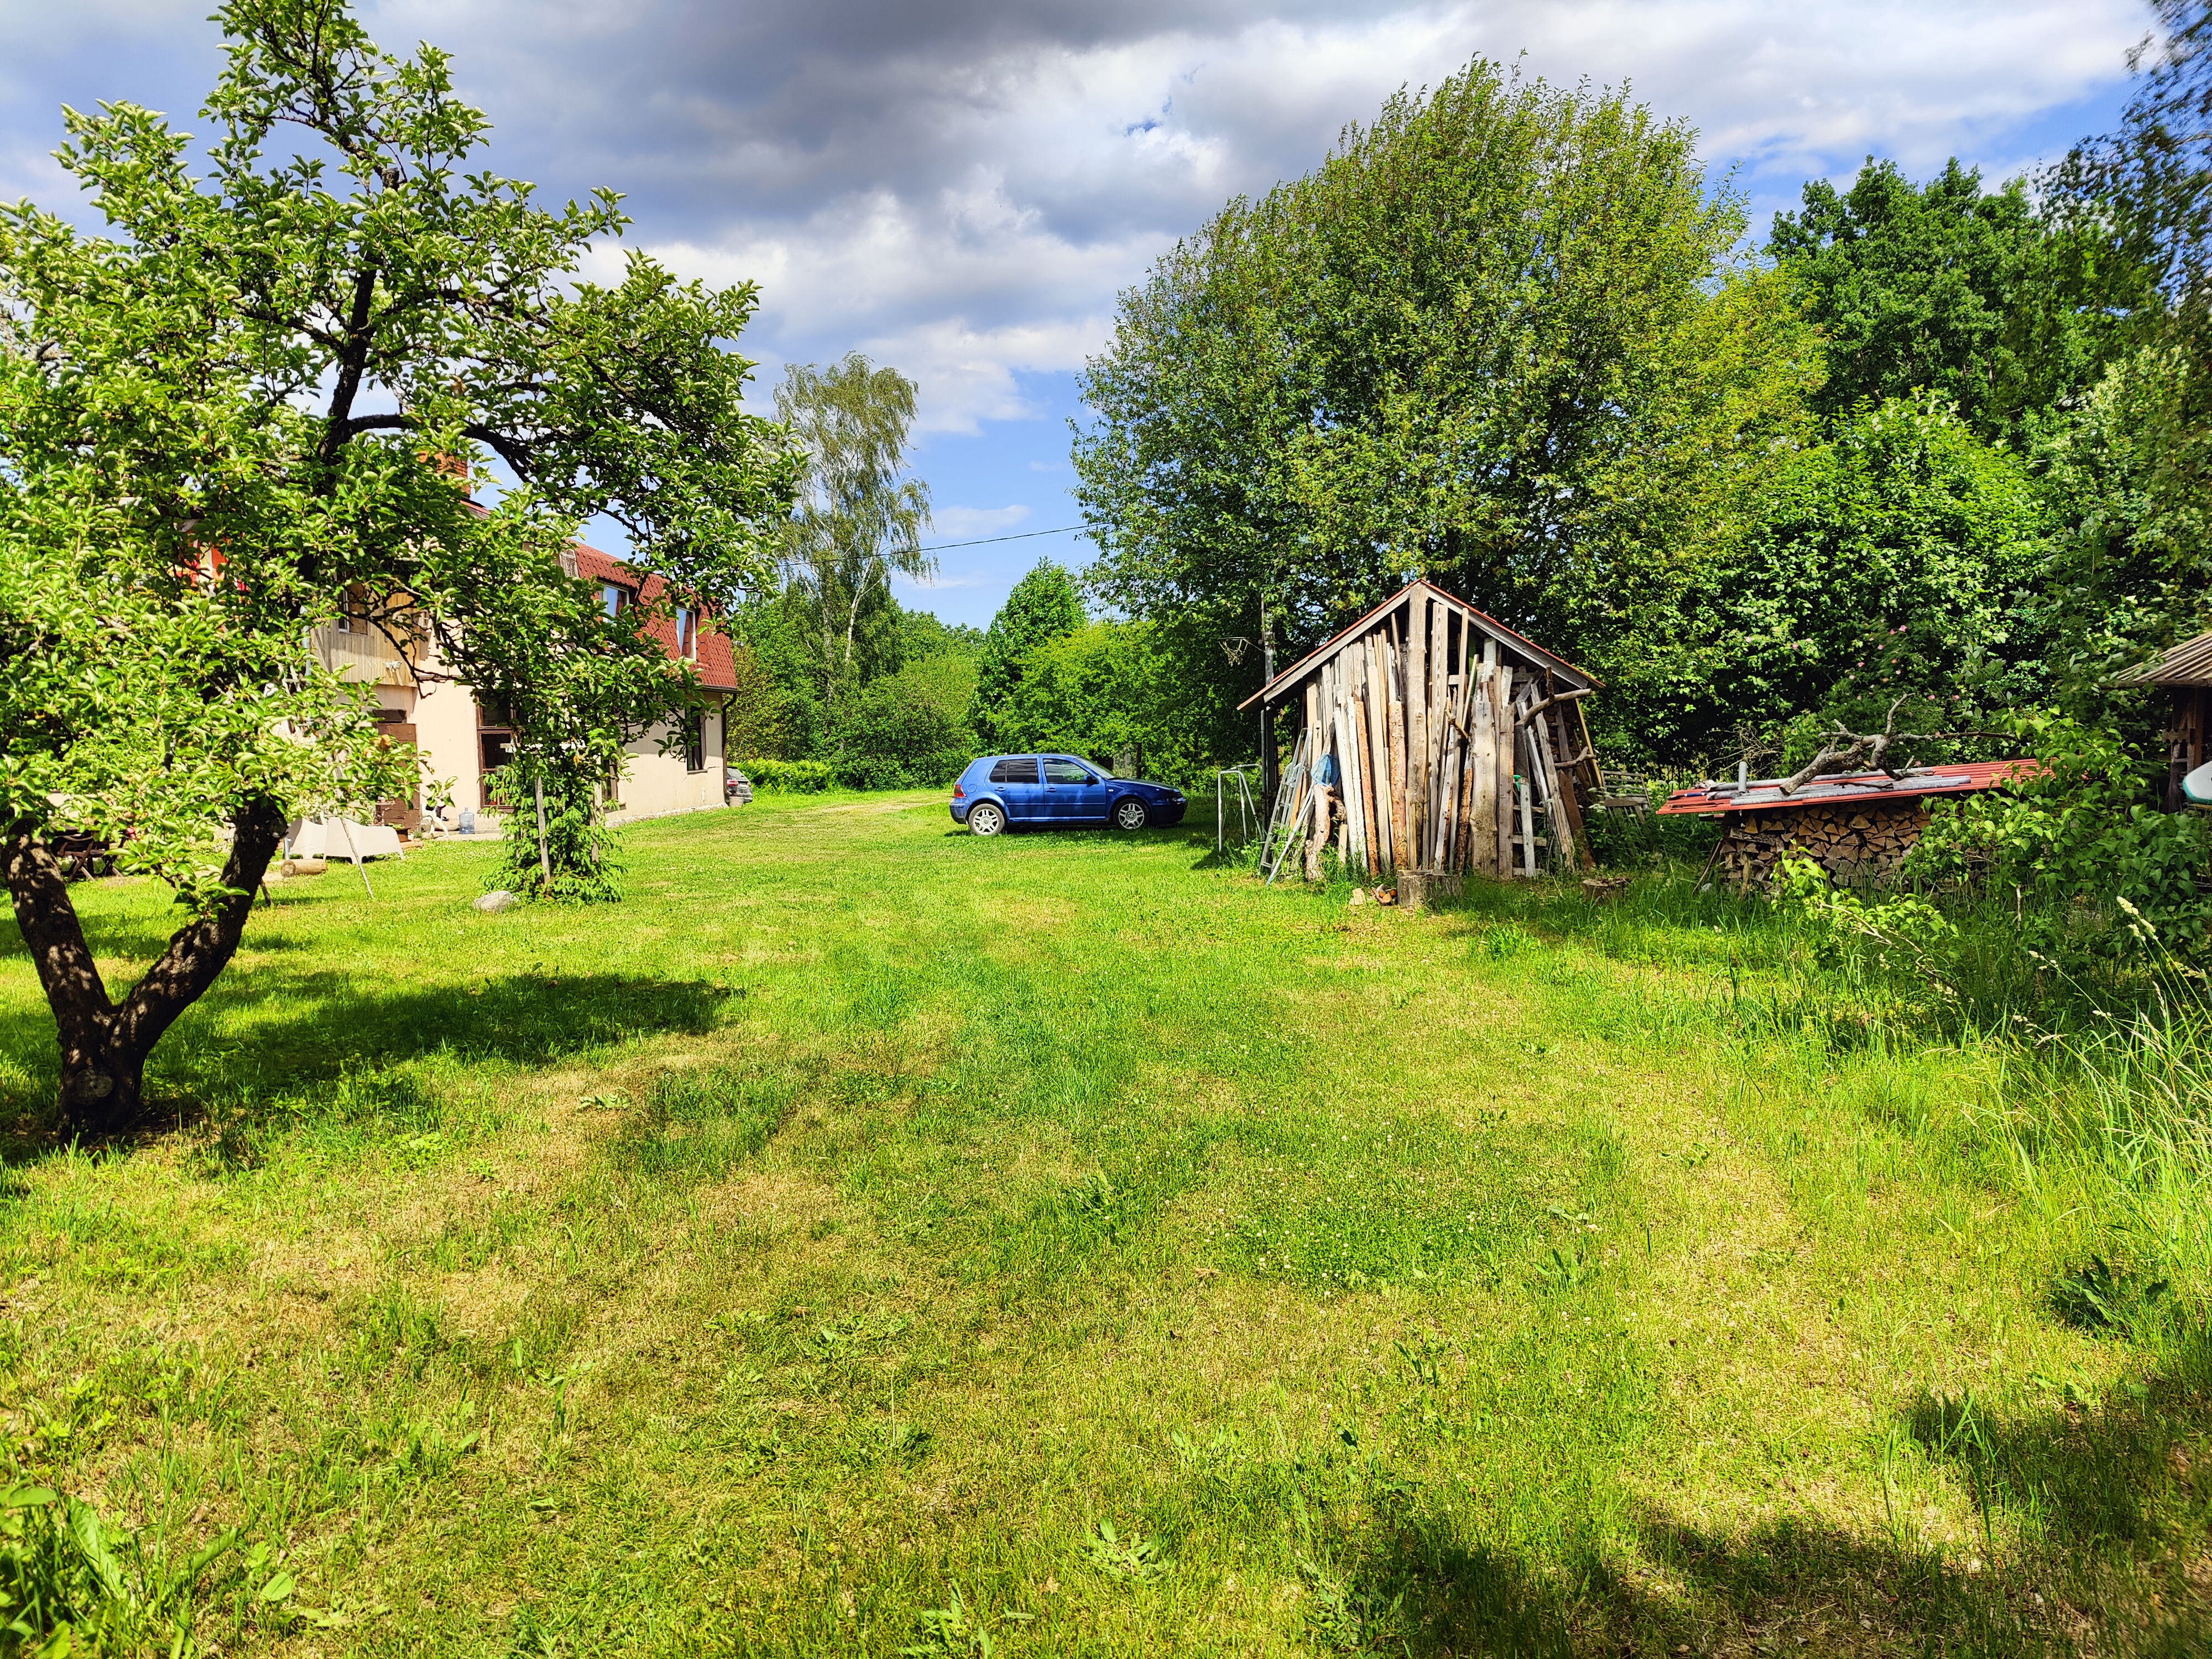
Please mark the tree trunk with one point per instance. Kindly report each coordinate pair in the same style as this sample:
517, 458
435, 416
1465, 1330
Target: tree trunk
104, 1044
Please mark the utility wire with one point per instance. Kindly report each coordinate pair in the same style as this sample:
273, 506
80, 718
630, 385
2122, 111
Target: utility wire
1023, 536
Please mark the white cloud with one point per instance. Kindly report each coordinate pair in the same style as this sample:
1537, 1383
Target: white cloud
952, 524
961, 189
1060, 170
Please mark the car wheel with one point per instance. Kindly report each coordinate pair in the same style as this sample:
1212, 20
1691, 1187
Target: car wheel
1130, 814
985, 819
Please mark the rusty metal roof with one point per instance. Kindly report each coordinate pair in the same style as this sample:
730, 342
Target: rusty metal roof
1764, 794
2189, 663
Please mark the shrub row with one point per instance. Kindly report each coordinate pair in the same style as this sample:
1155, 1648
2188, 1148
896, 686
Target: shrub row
810, 777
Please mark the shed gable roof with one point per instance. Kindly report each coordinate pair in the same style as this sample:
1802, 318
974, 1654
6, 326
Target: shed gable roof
1520, 644
2189, 663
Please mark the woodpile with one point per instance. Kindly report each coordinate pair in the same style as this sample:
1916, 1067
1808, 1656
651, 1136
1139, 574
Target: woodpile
1859, 843
1433, 740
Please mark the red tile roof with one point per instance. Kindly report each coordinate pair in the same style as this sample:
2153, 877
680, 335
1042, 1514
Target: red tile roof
714, 660
1764, 794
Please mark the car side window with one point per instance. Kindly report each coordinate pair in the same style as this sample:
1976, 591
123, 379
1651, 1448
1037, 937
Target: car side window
1014, 771
1057, 771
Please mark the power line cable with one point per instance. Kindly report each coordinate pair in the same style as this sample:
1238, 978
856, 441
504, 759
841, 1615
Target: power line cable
1023, 536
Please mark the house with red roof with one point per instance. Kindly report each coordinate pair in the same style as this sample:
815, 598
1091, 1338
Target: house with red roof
464, 740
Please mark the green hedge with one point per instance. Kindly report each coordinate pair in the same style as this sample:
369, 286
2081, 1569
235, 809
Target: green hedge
854, 772
790, 777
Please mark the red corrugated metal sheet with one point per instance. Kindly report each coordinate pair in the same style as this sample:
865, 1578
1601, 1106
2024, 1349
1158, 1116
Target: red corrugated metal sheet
1764, 794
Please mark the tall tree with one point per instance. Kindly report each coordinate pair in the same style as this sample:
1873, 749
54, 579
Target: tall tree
266, 387
1043, 606
1947, 288
1497, 339
1892, 561
859, 517
2133, 472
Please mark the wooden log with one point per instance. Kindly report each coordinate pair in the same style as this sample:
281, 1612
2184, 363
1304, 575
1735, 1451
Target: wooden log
1364, 745
1394, 684
1501, 707
1415, 678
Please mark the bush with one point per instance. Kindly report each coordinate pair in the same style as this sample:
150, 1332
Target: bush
1622, 841
2094, 870
907, 730
789, 777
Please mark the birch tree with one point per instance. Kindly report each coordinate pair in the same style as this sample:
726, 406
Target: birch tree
859, 515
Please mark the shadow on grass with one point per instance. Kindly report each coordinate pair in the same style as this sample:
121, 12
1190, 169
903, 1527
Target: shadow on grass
2095, 1523
242, 1049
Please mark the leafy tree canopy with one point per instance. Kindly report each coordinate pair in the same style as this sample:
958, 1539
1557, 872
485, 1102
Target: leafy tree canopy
1892, 561
266, 385
1947, 288
1496, 340
1043, 606
859, 517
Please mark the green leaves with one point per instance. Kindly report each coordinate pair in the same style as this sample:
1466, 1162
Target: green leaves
1498, 338
1043, 607
274, 386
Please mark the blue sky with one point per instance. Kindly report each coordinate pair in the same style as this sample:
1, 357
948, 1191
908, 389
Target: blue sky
961, 189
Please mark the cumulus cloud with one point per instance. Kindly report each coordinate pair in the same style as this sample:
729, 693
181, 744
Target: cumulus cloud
958, 522
961, 189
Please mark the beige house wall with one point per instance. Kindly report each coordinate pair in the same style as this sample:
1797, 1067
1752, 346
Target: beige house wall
445, 720
654, 785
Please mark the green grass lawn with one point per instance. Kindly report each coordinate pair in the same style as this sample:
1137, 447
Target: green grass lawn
870, 1238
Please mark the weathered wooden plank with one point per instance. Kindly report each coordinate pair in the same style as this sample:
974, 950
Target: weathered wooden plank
1482, 809
1439, 727
1502, 707
1378, 747
1562, 776
1415, 673
1394, 680
1371, 826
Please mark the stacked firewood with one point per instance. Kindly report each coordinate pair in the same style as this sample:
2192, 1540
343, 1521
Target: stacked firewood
1857, 843
1422, 751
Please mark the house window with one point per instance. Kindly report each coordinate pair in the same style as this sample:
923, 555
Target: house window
494, 747
615, 597
353, 612
695, 742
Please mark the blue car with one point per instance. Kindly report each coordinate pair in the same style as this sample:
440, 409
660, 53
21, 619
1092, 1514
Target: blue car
1004, 792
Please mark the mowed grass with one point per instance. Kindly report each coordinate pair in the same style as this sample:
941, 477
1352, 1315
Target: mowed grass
871, 1239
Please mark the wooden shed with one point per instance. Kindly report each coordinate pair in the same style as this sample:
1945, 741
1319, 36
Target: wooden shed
2186, 672
1431, 739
